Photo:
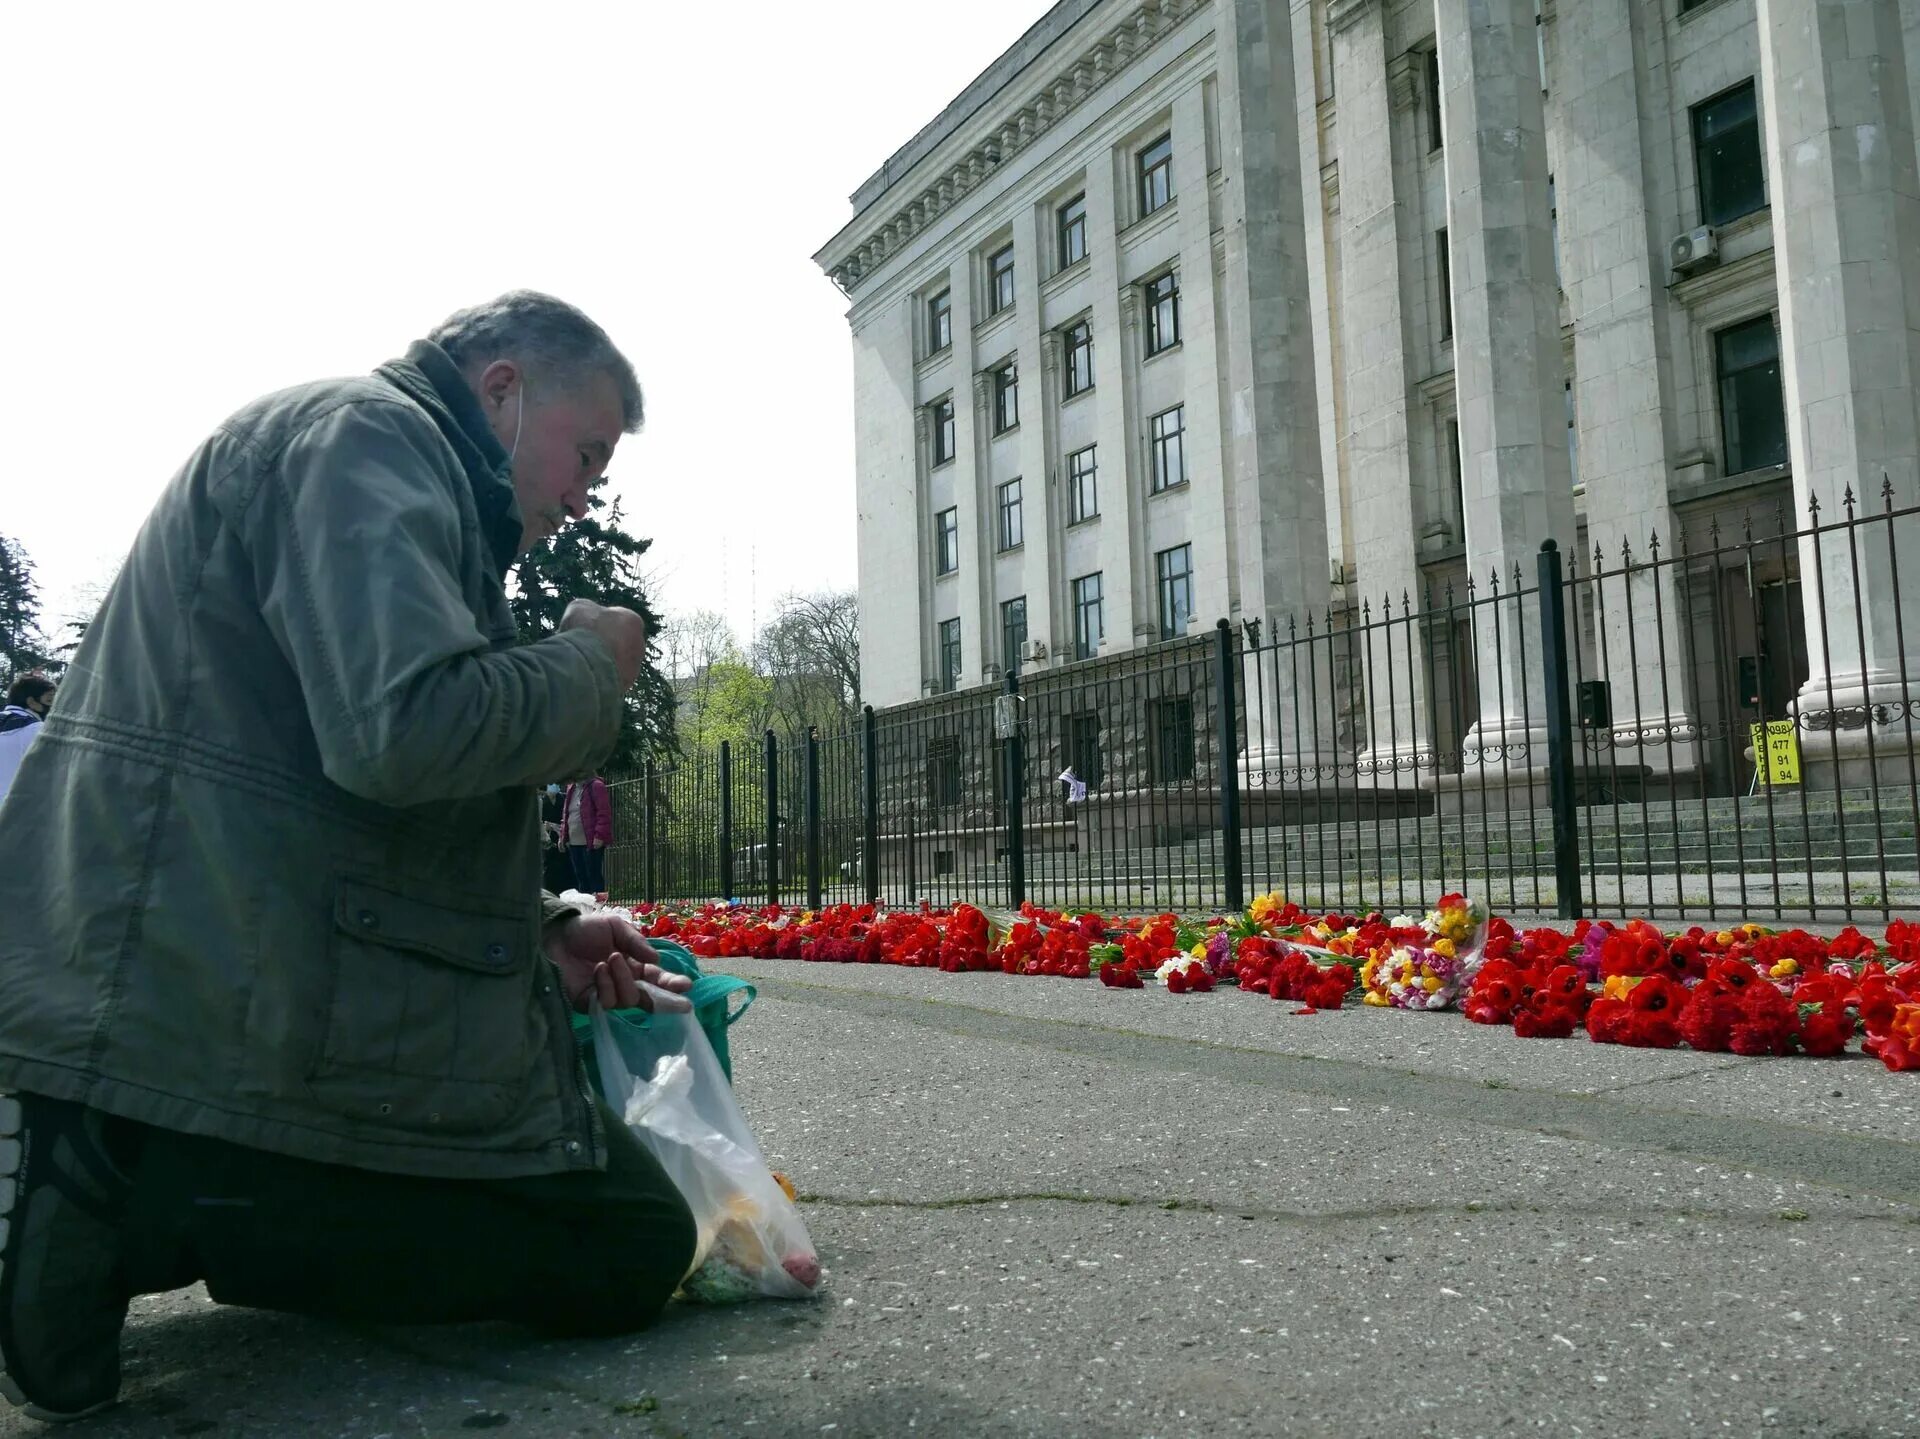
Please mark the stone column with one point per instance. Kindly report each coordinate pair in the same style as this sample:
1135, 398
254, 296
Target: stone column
978, 541
1031, 234
1200, 361
1059, 632
890, 539
922, 547
1111, 397
969, 438
1615, 271
1380, 370
1846, 214
1273, 415
1509, 375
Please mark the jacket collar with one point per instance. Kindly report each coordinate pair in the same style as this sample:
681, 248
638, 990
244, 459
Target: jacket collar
15, 717
429, 377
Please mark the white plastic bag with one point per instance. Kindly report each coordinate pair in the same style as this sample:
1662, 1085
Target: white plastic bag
665, 1082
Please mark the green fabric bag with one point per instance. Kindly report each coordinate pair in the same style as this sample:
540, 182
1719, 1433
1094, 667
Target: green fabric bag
712, 997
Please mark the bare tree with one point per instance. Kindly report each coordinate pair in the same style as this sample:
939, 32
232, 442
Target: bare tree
811, 653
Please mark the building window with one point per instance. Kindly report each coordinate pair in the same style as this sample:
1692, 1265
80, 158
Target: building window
1012, 525
1089, 620
949, 656
1013, 630
1006, 398
939, 322
1753, 411
1170, 752
1079, 347
942, 430
1080, 743
1083, 493
1573, 436
1436, 136
946, 541
943, 768
1073, 231
1156, 175
1444, 260
1168, 441
1726, 153
1163, 312
1175, 569
1453, 468
1000, 280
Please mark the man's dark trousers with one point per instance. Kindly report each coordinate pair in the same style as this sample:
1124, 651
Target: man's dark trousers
584, 1253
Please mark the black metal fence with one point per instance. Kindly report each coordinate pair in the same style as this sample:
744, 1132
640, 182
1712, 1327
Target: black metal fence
1716, 729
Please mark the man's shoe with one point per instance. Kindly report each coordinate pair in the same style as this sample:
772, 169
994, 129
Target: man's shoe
63, 1299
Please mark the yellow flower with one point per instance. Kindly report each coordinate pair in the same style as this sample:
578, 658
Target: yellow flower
1430, 983
1785, 968
1619, 986
1374, 996
1444, 948
1199, 951
1725, 937
1753, 929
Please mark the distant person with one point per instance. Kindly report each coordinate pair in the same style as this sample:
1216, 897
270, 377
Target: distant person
587, 819
556, 866
284, 1011
29, 698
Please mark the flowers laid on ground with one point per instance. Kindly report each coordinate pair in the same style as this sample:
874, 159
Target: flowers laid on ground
1743, 990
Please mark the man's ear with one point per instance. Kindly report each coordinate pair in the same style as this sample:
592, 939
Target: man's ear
499, 381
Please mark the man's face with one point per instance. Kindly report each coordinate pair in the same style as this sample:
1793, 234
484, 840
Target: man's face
561, 443
41, 705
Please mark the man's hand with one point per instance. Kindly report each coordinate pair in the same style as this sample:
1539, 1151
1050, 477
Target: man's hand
605, 954
624, 632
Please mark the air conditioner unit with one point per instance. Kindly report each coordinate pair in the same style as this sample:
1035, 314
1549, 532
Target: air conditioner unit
1035, 651
1694, 250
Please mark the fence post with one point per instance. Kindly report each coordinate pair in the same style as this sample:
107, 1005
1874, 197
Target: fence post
1553, 656
813, 819
647, 889
1227, 764
1015, 756
870, 845
726, 821
913, 880
773, 819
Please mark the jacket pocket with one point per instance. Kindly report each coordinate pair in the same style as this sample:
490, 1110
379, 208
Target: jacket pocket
430, 1013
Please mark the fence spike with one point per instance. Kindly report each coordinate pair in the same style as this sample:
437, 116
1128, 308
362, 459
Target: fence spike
1886, 489
1653, 547
1847, 500
1813, 506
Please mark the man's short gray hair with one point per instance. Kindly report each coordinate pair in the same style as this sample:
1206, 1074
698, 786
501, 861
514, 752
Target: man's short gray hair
542, 334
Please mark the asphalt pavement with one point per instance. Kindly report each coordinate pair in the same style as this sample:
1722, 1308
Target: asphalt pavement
1046, 1208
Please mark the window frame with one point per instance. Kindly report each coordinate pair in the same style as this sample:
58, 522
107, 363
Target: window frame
940, 322
1000, 277
1065, 224
1089, 477
947, 654
945, 790
1011, 648
1160, 297
1088, 639
1436, 121
1080, 746
1161, 441
1169, 585
1006, 397
1170, 718
1723, 377
1696, 115
1071, 384
942, 442
1443, 263
1011, 536
946, 541
1149, 168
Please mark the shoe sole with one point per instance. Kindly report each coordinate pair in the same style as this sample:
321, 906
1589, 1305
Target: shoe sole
10, 1163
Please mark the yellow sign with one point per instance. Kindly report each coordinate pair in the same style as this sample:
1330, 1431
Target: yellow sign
1776, 752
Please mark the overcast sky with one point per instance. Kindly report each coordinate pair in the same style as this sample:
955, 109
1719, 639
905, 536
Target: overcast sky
209, 202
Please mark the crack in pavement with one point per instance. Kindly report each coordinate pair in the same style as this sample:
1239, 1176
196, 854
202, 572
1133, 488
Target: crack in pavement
1311, 1218
1829, 1159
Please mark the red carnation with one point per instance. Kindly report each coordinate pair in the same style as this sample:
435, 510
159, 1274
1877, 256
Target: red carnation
1605, 1017
1825, 1032
1544, 1020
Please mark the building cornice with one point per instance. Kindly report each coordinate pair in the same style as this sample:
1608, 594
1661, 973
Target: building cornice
872, 236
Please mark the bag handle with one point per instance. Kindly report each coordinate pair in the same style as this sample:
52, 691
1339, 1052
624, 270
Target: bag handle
714, 988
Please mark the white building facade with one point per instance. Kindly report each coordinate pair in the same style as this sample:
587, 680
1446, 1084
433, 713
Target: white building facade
1200, 309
